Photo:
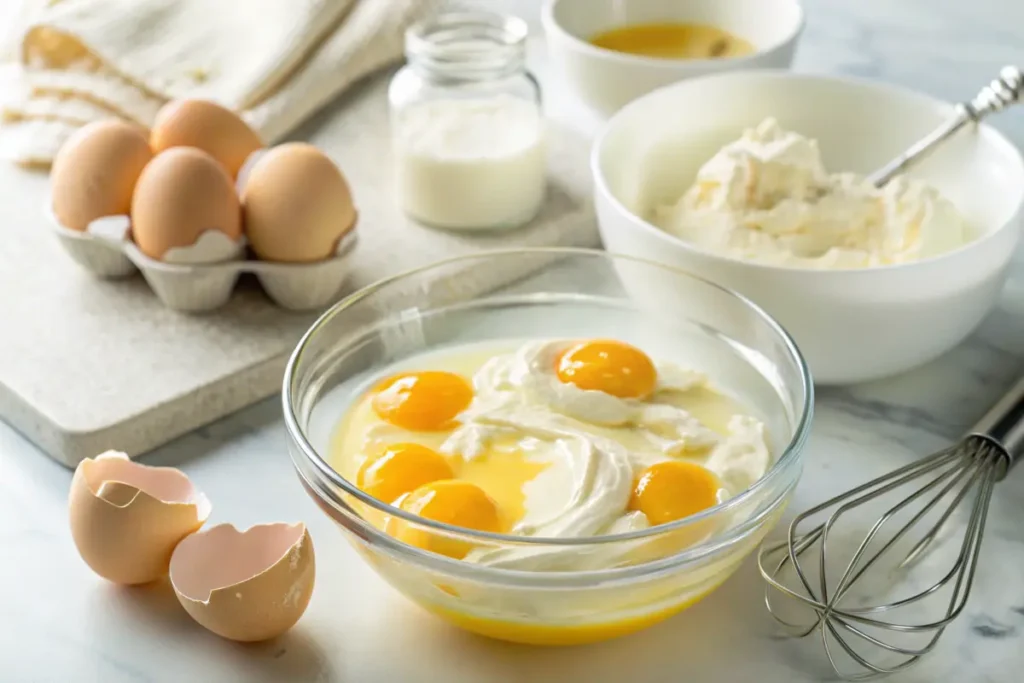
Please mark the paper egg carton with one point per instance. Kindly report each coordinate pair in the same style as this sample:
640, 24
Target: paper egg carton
106, 249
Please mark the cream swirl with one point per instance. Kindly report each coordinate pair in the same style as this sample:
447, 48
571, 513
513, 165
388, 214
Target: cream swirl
526, 379
585, 491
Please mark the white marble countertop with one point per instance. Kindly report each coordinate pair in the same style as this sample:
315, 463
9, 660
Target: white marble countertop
58, 622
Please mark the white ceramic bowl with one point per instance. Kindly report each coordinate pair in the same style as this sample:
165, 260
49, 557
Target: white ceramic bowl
606, 80
851, 325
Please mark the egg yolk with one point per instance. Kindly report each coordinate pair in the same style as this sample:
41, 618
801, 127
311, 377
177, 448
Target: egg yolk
401, 468
671, 490
454, 502
422, 401
613, 367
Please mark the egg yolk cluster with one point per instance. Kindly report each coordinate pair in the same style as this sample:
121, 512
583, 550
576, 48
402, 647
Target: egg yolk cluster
417, 478
422, 481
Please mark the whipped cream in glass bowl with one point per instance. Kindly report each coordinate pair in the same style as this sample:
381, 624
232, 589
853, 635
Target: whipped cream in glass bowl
567, 559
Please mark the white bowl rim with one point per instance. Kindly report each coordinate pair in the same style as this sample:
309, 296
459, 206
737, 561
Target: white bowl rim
548, 21
992, 135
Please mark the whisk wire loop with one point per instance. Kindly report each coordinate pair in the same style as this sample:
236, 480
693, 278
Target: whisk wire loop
963, 475
846, 581
859, 495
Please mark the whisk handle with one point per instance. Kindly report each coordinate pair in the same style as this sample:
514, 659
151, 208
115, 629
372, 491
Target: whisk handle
1004, 423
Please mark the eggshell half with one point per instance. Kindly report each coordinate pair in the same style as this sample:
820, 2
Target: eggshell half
126, 518
199, 123
297, 205
245, 585
181, 194
95, 172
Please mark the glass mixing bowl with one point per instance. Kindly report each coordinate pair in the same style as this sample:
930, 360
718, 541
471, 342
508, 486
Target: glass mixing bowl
552, 293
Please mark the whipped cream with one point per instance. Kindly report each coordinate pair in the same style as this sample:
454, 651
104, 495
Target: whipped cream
767, 197
595, 444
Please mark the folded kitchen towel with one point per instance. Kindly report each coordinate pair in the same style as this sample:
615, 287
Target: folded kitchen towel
276, 62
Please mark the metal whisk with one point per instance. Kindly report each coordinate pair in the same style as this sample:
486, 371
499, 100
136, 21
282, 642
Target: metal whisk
996, 96
877, 634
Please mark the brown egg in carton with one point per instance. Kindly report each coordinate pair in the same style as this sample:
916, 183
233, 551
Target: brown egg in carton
198, 203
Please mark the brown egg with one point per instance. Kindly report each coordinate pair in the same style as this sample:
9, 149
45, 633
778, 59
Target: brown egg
296, 204
245, 585
95, 171
126, 518
198, 123
181, 194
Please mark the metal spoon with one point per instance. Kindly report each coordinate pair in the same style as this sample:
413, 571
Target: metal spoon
996, 96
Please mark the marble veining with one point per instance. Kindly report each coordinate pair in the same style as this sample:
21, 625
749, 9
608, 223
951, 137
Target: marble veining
59, 623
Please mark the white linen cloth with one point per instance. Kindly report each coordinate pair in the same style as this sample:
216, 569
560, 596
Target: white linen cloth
276, 62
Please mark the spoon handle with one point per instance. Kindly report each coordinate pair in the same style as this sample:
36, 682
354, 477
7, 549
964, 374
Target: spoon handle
996, 96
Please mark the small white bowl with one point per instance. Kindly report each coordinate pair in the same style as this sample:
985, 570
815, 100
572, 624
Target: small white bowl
606, 80
852, 325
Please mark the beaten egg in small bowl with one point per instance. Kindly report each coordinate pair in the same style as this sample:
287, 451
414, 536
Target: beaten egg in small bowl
524, 445
611, 52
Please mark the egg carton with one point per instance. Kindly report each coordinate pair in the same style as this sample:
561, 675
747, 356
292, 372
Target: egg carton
106, 250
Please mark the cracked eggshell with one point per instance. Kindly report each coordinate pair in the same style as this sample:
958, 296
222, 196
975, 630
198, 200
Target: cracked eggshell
182, 194
200, 123
245, 585
95, 172
126, 518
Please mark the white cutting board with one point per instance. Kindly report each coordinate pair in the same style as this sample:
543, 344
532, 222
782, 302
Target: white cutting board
87, 364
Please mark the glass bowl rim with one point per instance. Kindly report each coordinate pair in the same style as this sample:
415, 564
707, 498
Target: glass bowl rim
324, 471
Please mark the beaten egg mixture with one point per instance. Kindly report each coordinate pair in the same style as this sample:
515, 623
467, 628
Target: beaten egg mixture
554, 439
673, 41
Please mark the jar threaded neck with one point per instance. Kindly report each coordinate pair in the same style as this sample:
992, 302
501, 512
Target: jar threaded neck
467, 45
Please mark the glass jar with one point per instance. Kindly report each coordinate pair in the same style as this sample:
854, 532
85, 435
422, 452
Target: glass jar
466, 122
